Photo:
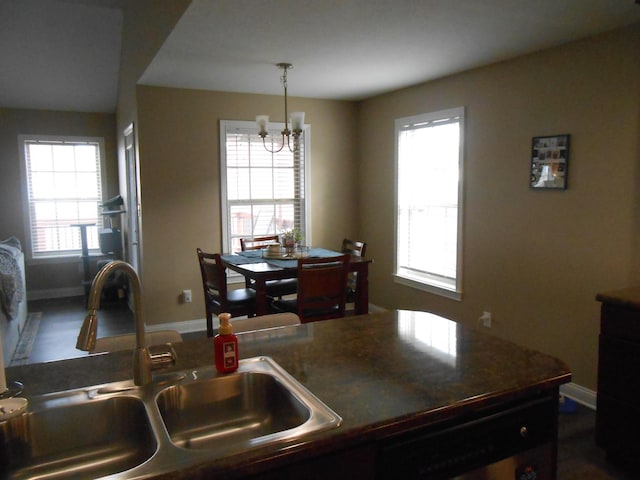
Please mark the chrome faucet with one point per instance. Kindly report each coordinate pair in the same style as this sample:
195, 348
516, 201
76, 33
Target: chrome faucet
142, 361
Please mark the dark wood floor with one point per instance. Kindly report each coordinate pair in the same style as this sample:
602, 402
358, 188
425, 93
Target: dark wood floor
578, 456
61, 321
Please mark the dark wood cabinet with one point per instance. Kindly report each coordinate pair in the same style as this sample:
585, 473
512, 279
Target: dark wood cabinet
618, 411
517, 436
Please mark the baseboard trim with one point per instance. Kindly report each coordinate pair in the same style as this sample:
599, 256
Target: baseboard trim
579, 394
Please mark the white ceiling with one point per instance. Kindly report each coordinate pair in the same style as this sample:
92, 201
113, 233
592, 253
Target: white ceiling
64, 54
60, 54
352, 49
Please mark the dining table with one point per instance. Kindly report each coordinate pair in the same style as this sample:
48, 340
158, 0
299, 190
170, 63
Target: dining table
262, 266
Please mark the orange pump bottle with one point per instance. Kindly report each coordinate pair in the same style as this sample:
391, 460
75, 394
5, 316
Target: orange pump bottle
225, 346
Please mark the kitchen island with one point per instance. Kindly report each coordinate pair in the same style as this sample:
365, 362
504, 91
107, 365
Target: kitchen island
405, 384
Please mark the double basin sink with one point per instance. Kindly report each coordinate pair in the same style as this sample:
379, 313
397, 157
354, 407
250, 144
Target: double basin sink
182, 419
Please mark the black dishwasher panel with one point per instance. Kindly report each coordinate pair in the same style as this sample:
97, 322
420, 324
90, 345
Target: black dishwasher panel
453, 449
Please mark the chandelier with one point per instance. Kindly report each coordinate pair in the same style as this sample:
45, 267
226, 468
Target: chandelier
297, 120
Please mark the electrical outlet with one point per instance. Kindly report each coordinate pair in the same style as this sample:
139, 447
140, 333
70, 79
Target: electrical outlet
186, 296
485, 318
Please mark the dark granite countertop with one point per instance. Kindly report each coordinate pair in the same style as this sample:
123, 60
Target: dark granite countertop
626, 297
382, 373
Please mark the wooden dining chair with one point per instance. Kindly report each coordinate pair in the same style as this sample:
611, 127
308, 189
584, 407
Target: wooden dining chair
354, 247
358, 249
217, 297
275, 288
321, 293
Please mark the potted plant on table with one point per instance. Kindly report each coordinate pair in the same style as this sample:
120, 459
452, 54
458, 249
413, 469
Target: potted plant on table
291, 238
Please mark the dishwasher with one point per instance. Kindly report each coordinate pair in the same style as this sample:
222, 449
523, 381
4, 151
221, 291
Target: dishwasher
514, 443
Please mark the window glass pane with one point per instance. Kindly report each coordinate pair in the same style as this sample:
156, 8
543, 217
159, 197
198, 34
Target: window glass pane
240, 220
86, 212
265, 191
261, 184
67, 211
41, 159
238, 183
283, 159
42, 186
259, 157
85, 185
284, 182
263, 220
428, 166
63, 158
44, 211
285, 216
64, 188
66, 185
86, 160
428, 192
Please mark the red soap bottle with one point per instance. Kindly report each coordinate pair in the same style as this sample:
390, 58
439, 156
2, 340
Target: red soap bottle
225, 346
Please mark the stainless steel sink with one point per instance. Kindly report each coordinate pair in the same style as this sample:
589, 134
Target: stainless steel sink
240, 411
181, 419
90, 439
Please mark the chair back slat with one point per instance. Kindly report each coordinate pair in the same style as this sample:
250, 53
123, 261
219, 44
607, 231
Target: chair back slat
213, 274
358, 249
217, 297
322, 287
256, 243
354, 247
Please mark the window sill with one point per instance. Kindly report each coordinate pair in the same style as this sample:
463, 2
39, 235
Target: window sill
425, 287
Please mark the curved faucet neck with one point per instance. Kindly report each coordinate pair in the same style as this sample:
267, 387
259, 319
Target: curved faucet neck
87, 336
98, 284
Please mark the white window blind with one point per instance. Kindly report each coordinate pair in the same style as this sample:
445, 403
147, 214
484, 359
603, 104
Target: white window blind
263, 193
63, 188
428, 200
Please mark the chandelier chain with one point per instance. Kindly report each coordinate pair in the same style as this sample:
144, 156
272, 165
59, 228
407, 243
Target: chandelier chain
286, 133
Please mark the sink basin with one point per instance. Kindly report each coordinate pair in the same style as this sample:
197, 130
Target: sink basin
232, 409
86, 440
258, 404
183, 419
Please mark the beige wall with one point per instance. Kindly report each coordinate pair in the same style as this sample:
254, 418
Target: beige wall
14, 122
180, 182
535, 259
146, 25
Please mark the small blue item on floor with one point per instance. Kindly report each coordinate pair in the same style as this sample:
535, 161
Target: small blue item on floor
567, 405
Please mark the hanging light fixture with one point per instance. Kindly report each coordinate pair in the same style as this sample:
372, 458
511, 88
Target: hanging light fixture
297, 120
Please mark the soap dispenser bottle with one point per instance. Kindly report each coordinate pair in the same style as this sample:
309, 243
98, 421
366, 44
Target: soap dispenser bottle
225, 345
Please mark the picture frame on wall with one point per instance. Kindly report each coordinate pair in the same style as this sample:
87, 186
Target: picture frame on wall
550, 162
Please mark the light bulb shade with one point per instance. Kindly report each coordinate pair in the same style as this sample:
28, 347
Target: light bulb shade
297, 121
263, 124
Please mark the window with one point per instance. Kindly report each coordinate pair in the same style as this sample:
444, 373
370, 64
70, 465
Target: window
63, 187
262, 193
429, 159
